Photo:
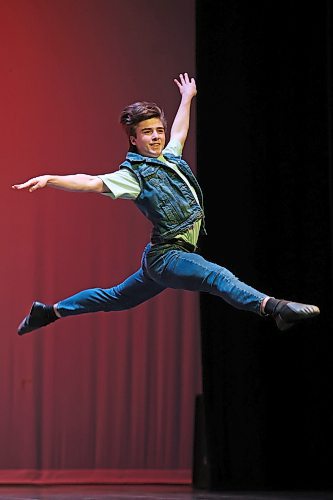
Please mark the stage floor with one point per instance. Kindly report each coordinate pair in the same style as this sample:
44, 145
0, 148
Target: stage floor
106, 492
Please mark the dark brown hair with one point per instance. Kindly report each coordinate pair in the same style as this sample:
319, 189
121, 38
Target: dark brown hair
138, 112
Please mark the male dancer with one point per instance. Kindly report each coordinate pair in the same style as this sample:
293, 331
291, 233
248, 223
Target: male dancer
163, 187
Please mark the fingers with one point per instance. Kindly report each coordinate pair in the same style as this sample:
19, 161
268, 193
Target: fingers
21, 186
34, 187
184, 79
185, 84
177, 83
32, 184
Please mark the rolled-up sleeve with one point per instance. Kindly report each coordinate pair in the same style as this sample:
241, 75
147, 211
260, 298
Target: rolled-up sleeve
121, 184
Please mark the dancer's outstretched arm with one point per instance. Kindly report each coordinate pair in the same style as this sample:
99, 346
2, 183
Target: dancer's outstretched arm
75, 182
187, 88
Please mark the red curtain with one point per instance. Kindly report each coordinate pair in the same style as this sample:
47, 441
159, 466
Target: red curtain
100, 397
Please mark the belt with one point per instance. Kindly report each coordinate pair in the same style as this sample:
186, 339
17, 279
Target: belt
182, 243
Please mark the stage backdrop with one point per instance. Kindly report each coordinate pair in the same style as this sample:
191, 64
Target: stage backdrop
103, 397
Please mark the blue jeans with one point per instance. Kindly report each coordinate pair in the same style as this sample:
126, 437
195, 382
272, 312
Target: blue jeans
165, 266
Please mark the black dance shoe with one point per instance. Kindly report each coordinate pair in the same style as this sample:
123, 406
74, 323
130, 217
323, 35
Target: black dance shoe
286, 314
38, 316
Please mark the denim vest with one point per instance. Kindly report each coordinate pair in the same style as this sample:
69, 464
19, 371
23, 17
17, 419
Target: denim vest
165, 199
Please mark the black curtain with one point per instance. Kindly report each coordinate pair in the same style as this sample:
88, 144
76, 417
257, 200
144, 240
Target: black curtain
264, 121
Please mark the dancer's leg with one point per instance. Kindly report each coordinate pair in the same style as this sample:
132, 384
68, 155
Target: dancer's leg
174, 268
136, 289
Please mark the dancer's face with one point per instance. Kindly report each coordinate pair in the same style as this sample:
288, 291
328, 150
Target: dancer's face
150, 137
